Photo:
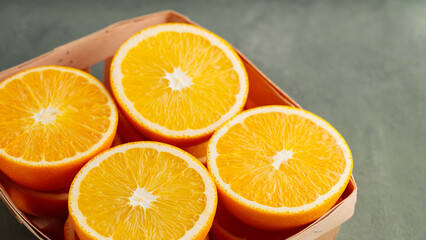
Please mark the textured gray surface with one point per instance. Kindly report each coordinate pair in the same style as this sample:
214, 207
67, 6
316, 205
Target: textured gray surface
359, 64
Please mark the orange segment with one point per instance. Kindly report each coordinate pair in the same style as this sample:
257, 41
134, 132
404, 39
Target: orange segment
279, 167
143, 190
178, 83
52, 120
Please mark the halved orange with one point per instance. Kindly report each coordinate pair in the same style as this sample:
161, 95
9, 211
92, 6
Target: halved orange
177, 83
127, 132
37, 203
199, 151
52, 121
70, 234
278, 167
143, 190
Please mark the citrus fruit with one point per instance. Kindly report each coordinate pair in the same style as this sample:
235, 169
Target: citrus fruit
69, 233
199, 151
278, 167
143, 190
127, 132
177, 83
52, 121
227, 227
37, 203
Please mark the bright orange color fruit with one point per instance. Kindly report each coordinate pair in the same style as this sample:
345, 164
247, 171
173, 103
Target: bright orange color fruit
227, 227
37, 203
143, 190
126, 131
177, 83
278, 167
70, 234
52, 121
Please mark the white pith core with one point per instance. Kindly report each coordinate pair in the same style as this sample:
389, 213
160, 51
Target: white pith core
46, 115
178, 79
142, 198
281, 158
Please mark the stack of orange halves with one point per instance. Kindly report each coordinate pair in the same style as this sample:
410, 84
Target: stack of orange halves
271, 169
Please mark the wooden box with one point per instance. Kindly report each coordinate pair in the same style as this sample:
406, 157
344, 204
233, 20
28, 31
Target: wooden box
100, 46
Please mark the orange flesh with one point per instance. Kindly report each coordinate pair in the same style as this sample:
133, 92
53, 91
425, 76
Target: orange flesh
246, 160
73, 113
106, 190
214, 81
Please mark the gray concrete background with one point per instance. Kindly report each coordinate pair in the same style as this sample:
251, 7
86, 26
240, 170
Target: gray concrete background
359, 64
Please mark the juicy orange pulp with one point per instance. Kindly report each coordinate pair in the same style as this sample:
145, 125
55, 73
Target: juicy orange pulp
52, 120
177, 83
278, 167
246, 161
143, 190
